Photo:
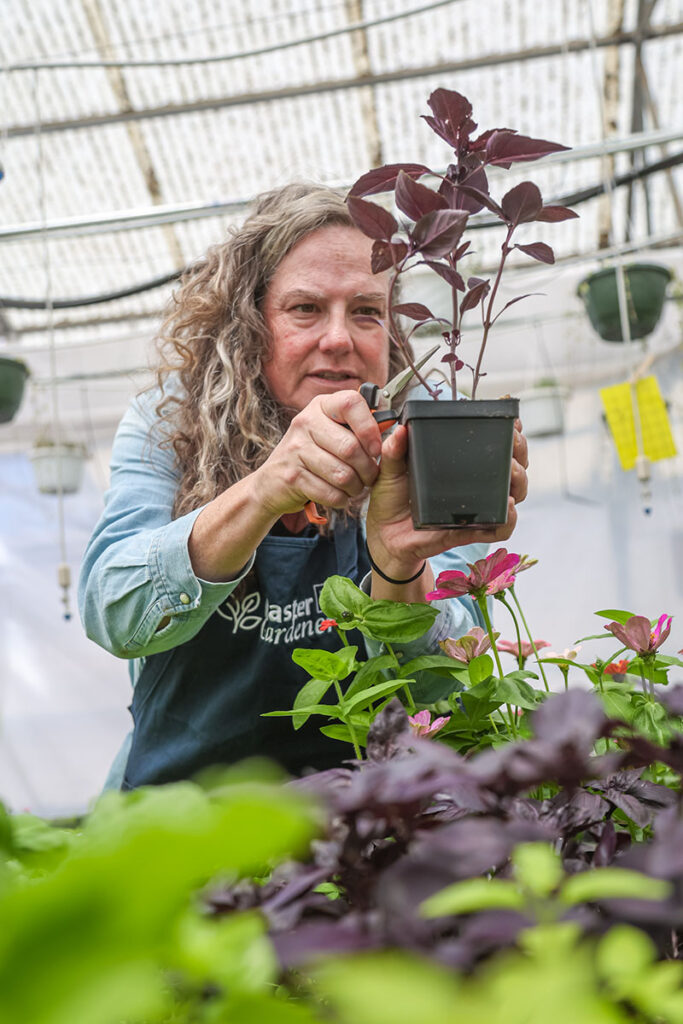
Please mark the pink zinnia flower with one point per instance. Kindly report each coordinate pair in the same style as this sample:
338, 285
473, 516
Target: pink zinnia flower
475, 642
527, 650
636, 633
489, 575
422, 725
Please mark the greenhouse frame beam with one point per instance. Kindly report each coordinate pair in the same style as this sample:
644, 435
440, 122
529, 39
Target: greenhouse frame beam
635, 37
128, 220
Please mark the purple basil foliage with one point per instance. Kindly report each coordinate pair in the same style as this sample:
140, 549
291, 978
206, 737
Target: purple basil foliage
436, 218
417, 817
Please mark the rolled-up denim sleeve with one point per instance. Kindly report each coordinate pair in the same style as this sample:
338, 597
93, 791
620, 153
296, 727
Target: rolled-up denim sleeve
456, 615
138, 593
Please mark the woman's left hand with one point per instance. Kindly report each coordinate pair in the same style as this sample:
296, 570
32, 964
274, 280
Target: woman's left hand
395, 545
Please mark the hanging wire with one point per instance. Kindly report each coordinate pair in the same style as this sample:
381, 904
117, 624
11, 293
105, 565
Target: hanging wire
63, 569
642, 462
222, 58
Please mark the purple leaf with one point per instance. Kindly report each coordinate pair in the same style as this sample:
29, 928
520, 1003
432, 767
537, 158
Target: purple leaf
438, 232
373, 220
481, 140
518, 299
555, 213
474, 296
413, 310
572, 717
452, 277
538, 251
461, 250
505, 147
452, 120
607, 847
458, 198
522, 203
414, 199
472, 282
451, 357
483, 199
673, 699
383, 179
386, 254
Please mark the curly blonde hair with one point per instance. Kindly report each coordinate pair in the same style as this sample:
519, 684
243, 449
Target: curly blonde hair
219, 415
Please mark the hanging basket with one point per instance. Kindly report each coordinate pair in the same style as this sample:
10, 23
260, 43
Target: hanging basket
541, 410
58, 467
13, 374
645, 294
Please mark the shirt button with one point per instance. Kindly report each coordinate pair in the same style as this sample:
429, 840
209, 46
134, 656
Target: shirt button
185, 598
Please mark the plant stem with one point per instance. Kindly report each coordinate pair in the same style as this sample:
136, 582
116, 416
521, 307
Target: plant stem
520, 658
487, 322
342, 636
395, 335
481, 601
347, 722
531, 639
406, 688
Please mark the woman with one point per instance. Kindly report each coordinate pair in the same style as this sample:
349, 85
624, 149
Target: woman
203, 567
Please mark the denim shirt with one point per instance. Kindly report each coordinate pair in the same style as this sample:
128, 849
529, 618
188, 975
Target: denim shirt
136, 570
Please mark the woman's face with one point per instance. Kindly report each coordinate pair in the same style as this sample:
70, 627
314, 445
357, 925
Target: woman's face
312, 308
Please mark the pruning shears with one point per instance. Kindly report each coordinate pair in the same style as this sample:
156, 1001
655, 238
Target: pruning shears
375, 397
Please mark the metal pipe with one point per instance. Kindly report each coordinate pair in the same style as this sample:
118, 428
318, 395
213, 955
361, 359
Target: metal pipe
336, 85
126, 220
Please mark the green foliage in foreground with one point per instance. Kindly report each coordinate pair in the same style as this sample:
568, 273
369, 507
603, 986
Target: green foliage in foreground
101, 925
104, 924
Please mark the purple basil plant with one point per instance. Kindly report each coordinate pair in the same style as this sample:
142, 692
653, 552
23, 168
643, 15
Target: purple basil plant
437, 218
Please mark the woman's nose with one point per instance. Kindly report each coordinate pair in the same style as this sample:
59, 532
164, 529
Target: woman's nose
336, 336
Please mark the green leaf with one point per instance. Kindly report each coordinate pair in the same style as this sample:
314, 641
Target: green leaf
366, 697
232, 951
667, 660
622, 956
343, 601
615, 615
369, 672
324, 664
537, 868
472, 895
440, 663
616, 705
516, 692
343, 733
387, 988
310, 694
393, 621
480, 668
612, 883
331, 710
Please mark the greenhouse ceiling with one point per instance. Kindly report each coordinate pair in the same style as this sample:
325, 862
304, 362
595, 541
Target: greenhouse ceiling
134, 132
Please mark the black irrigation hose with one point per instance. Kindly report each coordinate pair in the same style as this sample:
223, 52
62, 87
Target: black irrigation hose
571, 199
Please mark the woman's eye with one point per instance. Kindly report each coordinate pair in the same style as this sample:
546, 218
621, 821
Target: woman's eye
369, 311
305, 307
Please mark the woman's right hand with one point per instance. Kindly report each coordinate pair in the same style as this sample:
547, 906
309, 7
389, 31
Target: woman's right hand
328, 455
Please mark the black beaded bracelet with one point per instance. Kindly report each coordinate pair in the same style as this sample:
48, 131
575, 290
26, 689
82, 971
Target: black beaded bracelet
388, 579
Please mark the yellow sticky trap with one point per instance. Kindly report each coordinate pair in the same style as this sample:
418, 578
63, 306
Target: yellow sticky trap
658, 442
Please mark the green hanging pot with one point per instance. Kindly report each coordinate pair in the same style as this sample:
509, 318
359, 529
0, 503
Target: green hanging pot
645, 294
13, 374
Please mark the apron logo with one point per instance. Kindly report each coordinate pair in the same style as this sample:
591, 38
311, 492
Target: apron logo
240, 612
289, 623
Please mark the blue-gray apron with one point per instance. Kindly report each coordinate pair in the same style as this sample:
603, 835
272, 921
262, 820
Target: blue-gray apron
201, 703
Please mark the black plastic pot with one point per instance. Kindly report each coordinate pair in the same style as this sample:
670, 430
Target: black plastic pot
13, 374
459, 461
645, 294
